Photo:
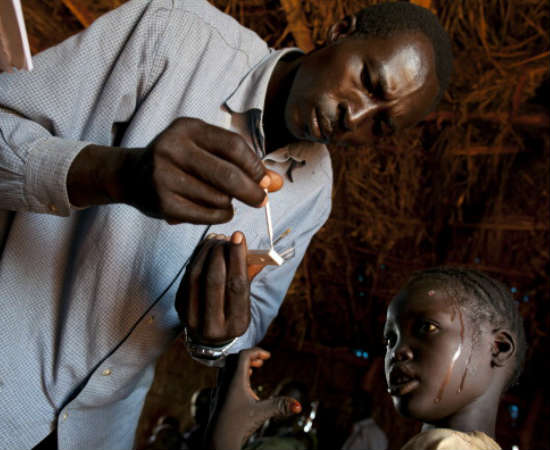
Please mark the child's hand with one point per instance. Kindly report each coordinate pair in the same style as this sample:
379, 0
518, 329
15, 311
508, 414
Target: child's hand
240, 412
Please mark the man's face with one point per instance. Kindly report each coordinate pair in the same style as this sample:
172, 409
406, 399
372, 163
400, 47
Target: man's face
434, 368
357, 88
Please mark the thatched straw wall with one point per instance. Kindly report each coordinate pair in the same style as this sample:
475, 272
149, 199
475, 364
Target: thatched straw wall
469, 185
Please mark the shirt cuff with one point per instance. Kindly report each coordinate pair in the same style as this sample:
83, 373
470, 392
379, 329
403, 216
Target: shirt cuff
46, 170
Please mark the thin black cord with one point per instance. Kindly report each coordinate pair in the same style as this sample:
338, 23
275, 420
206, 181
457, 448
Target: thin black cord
79, 388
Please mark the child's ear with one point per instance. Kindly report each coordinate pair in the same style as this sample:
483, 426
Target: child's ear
503, 349
341, 29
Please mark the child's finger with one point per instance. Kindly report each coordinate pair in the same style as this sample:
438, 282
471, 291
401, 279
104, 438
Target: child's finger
278, 407
248, 356
257, 363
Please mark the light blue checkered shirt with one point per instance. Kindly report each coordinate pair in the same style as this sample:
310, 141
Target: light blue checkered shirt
87, 297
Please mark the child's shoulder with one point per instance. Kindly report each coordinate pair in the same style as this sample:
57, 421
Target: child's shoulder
445, 438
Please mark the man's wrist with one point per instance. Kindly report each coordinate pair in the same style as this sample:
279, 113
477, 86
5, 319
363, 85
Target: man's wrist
212, 355
94, 177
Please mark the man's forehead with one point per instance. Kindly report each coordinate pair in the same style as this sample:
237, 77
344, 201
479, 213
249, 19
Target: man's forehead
404, 62
404, 66
405, 72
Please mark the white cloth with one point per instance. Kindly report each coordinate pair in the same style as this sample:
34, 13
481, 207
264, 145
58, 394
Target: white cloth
87, 297
366, 435
447, 439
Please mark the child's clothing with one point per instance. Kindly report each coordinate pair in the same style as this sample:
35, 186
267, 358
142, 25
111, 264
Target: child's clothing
447, 439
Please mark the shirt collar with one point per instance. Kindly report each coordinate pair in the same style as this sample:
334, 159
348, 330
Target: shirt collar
249, 97
295, 151
251, 92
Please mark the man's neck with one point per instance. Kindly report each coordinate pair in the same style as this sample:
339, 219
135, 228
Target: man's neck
276, 133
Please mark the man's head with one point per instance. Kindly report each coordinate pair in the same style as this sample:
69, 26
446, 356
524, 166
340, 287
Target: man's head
381, 70
454, 343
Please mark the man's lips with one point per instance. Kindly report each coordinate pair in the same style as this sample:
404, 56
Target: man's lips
325, 125
321, 128
315, 128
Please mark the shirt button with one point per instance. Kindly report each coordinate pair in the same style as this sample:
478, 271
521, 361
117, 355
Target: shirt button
64, 416
106, 372
151, 319
52, 208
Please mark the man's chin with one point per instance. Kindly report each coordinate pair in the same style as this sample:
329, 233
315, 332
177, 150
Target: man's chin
295, 132
294, 125
301, 134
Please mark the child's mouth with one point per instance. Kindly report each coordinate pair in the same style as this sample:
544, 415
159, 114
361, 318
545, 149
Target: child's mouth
401, 382
404, 388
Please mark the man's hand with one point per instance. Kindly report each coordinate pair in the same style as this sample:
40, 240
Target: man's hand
239, 411
189, 173
213, 299
192, 170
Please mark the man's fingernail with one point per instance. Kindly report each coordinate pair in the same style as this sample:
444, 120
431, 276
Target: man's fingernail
211, 235
265, 182
237, 238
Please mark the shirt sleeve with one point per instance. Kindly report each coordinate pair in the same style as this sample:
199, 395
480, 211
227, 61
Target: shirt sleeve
269, 288
76, 94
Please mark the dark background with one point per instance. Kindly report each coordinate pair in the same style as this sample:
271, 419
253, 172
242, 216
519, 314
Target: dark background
469, 185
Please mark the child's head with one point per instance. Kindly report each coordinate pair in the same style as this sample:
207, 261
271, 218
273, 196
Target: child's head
454, 343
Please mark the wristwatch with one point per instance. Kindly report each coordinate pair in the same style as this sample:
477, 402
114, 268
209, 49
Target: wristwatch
212, 356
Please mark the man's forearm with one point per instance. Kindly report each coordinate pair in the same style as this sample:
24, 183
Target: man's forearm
96, 176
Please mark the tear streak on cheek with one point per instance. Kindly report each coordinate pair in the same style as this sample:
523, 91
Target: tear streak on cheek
455, 357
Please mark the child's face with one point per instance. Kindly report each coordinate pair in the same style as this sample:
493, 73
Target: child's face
433, 368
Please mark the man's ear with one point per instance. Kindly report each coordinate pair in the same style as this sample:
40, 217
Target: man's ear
341, 29
503, 349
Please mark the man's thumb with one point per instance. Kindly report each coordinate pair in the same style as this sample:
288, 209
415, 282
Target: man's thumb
276, 181
279, 407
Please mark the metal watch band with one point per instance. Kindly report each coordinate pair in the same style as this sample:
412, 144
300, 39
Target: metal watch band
213, 356
219, 363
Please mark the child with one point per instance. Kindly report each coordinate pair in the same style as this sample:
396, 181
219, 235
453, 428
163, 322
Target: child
454, 343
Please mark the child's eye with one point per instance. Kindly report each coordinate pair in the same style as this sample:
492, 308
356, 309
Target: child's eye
428, 328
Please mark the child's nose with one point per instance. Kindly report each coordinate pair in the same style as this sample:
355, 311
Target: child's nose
403, 353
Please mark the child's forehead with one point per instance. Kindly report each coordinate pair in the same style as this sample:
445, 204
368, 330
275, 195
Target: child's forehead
424, 295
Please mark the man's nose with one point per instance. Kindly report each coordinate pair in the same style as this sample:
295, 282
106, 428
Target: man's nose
361, 110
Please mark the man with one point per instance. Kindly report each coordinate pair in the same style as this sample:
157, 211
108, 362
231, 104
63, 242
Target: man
134, 140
